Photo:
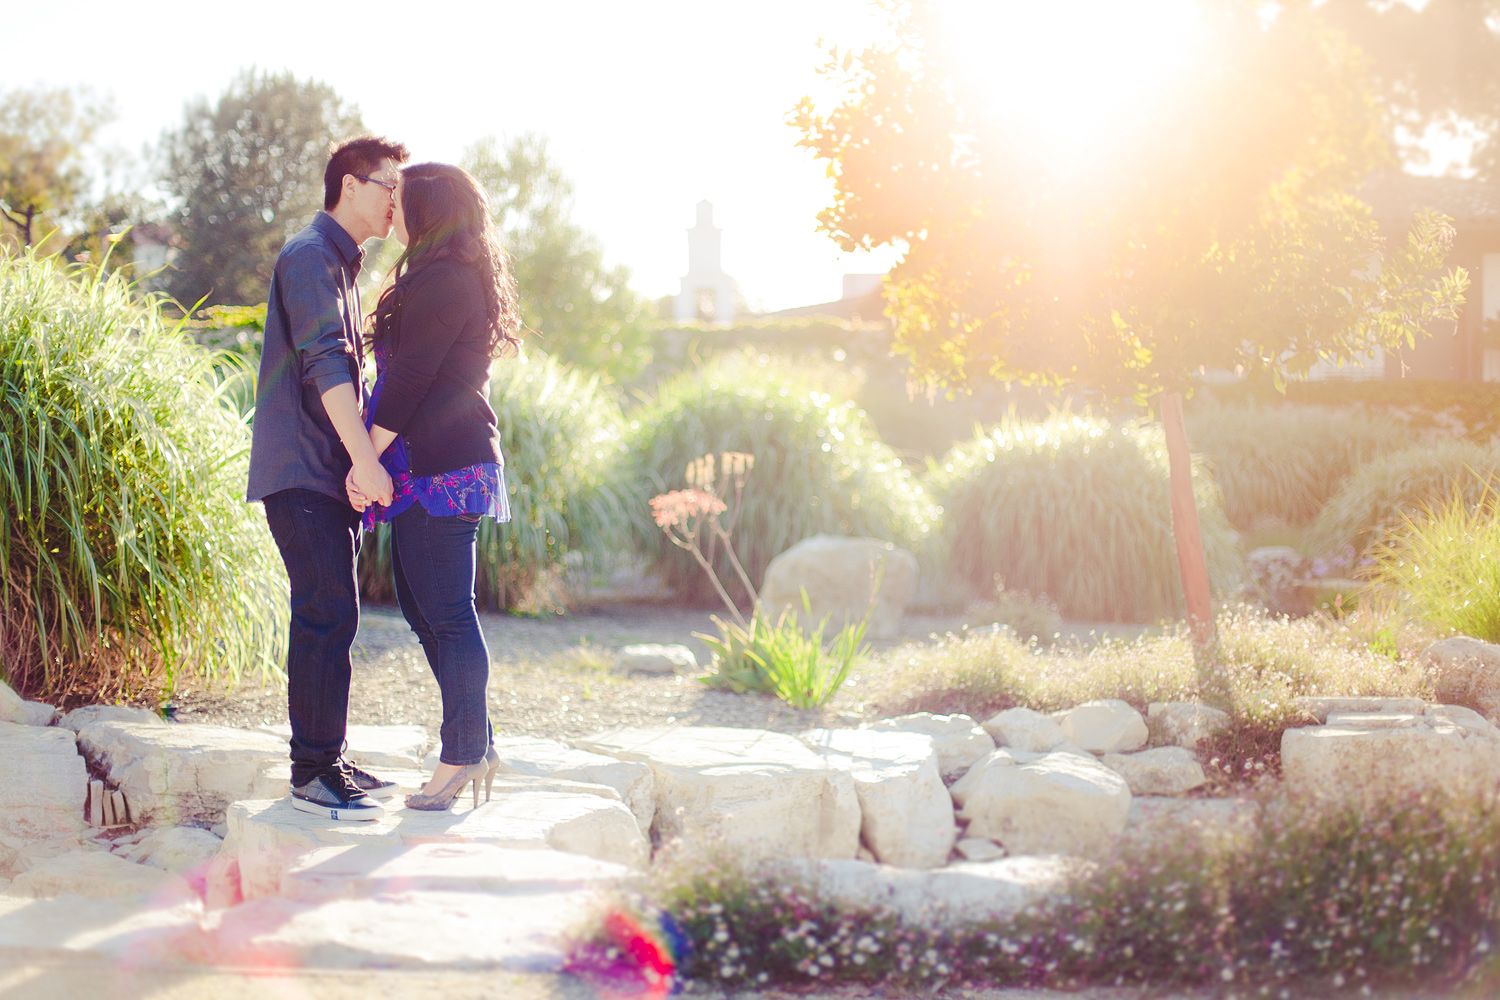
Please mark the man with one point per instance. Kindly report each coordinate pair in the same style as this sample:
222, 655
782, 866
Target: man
308, 435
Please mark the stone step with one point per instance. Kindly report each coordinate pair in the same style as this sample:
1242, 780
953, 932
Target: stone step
364, 870
267, 836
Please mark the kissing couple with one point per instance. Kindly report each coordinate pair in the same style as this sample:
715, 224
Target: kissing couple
420, 451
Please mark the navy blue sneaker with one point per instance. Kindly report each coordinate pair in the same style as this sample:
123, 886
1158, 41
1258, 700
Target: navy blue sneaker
333, 794
375, 788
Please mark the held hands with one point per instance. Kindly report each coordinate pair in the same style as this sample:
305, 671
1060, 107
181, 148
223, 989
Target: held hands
368, 485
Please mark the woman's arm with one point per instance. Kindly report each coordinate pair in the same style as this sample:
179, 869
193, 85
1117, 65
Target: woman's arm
381, 439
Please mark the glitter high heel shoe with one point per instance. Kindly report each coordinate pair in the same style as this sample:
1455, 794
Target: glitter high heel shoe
442, 800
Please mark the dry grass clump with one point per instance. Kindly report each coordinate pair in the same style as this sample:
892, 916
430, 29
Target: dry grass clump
1263, 663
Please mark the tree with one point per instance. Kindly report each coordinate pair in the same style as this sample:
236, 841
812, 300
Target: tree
1219, 231
1434, 66
580, 310
248, 172
45, 137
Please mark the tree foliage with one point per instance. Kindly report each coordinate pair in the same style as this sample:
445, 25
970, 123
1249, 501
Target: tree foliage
45, 136
1216, 228
580, 310
1435, 64
248, 171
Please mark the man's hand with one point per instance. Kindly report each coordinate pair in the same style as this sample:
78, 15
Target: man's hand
357, 500
372, 482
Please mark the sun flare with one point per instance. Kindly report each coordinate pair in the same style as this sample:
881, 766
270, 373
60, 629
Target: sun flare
1068, 69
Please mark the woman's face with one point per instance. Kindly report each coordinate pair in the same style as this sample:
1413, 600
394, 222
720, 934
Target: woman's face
398, 218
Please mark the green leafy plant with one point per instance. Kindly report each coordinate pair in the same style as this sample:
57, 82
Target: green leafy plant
782, 658
1379, 496
819, 464
1076, 508
1445, 561
127, 553
571, 490
1029, 618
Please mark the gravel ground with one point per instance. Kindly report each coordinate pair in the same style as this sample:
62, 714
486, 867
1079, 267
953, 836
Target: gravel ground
549, 677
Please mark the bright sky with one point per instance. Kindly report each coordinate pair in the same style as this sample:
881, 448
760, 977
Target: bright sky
649, 106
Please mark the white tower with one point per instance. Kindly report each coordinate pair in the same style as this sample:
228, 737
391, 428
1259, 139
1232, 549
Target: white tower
707, 292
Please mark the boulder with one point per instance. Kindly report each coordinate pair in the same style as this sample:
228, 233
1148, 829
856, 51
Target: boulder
840, 575
1464, 718
1108, 726
1368, 764
375, 747
1056, 803
1277, 573
959, 741
94, 873
1466, 671
176, 849
967, 892
1161, 771
656, 658
760, 791
1183, 723
1319, 708
906, 813
43, 781
364, 870
979, 849
1025, 729
126, 932
15, 709
180, 774
90, 714
267, 836
541, 758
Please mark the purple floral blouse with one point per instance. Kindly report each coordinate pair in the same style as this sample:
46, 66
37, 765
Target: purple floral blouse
476, 489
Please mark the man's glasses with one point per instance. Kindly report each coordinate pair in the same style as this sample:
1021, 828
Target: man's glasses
385, 184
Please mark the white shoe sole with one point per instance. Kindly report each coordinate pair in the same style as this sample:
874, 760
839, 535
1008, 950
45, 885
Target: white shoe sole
341, 814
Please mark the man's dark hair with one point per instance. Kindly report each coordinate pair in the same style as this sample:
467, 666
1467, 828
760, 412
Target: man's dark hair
356, 156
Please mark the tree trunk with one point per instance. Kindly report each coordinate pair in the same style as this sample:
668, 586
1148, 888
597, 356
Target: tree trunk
1189, 537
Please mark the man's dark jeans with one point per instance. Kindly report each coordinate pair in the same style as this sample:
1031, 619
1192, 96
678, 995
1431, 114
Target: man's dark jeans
318, 536
433, 559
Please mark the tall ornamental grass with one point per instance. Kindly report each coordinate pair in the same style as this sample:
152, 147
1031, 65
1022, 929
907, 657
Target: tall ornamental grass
1378, 498
1076, 509
1284, 462
819, 466
571, 494
1445, 562
127, 552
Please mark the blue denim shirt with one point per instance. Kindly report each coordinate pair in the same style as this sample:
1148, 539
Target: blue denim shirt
312, 343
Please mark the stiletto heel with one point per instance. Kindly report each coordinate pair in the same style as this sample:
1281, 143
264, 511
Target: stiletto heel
489, 779
444, 797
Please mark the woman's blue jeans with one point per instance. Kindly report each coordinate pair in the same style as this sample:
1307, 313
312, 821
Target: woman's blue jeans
433, 559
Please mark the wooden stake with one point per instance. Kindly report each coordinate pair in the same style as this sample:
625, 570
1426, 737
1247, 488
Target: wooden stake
1191, 563
96, 803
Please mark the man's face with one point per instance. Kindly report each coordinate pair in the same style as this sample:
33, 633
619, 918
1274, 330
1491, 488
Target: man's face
371, 200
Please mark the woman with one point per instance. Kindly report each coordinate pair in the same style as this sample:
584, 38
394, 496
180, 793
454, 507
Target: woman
450, 310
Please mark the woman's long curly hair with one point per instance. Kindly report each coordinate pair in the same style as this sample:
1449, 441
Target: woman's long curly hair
448, 218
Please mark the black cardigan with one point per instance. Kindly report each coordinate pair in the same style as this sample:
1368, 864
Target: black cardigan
436, 393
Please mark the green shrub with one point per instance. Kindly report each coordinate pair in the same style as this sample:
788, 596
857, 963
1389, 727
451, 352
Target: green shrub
570, 490
1373, 501
1265, 662
1466, 409
1285, 462
1076, 509
1318, 898
1446, 562
783, 660
818, 465
127, 552
1030, 619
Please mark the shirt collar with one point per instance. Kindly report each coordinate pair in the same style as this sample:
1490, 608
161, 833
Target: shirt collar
352, 253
